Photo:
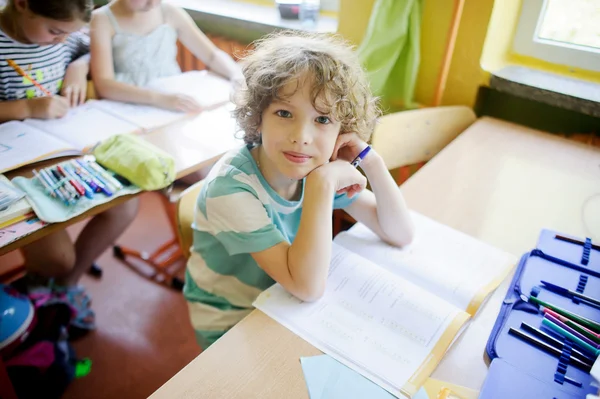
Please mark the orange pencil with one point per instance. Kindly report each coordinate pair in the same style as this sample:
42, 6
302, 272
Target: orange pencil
21, 72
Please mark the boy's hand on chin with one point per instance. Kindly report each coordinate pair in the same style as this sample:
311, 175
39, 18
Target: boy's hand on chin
347, 147
341, 176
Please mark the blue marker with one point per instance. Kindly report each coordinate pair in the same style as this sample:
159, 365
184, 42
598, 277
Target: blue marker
104, 187
361, 156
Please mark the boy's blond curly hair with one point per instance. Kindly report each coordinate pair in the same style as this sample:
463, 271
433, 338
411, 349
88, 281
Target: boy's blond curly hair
328, 62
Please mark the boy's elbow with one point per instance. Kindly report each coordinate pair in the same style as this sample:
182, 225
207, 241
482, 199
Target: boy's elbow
404, 239
311, 295
309, 292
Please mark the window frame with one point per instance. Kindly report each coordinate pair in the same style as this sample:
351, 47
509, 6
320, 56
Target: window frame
526, 41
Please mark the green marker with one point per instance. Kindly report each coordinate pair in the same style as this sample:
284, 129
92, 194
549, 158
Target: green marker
591, 324
584, 345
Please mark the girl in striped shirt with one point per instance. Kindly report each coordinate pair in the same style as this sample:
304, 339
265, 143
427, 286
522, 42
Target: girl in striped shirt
42, 38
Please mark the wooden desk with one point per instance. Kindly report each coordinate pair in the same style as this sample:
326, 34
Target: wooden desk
190, 155
498, 182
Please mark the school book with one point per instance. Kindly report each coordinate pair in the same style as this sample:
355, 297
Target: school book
32, 140
15, 211
391, 314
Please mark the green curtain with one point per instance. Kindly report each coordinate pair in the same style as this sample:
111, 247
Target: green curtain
390, 51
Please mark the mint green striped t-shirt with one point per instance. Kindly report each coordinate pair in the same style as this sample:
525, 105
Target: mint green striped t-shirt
237, 213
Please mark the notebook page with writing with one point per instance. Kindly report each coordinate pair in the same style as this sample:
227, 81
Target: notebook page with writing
206, 88
449, 263
386, 328
144, 116
84, 126
21, 144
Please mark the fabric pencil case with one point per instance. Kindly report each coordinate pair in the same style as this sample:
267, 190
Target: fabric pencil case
53, 210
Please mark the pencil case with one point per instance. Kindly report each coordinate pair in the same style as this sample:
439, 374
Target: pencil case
53, 210
139, 161
520, 368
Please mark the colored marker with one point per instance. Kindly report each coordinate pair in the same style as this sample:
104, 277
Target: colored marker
569, 329
70, 191
44, 183
585, 331
89, 192
94, 177
116, 184
591, 324
583, 345
73, 182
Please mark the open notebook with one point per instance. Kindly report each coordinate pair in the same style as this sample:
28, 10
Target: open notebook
389, 313
33, 140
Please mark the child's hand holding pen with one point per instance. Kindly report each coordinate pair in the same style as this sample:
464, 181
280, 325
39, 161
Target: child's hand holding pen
47, 107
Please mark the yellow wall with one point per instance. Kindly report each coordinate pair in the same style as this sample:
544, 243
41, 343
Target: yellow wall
465, 73
353, 18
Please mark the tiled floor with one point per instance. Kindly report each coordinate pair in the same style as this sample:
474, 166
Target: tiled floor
144, 336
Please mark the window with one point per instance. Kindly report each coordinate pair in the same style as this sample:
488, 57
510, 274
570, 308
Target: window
560, 31
326, 5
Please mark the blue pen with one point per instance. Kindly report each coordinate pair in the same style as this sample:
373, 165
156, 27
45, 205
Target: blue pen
86, 179
99, 181
88, 190
361, 156
92, 179
50, 184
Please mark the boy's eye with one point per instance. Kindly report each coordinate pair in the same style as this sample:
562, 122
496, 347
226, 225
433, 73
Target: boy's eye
283, 113
324, 120
55, 33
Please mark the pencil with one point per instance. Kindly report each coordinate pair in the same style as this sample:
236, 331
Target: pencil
536, 343
21, 72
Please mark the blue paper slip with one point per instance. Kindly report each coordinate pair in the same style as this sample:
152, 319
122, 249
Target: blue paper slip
421, 394
326, 378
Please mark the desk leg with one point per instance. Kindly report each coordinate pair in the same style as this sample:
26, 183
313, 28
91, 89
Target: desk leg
6, 389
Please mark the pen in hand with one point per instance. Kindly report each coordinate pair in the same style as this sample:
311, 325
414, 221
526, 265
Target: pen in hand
356, 162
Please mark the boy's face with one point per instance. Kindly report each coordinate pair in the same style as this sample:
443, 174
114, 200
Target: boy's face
295, 136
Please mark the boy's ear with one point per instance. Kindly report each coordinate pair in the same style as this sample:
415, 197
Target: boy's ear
21, 5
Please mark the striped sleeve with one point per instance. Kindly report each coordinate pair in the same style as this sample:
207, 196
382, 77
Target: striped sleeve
237, 217
78, 44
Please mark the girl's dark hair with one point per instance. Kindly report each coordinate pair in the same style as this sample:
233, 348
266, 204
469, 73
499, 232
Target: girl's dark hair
62, 10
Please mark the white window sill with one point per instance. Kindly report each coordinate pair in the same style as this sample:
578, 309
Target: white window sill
568, 93
251, 16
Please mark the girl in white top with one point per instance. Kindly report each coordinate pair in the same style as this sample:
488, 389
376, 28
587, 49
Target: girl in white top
135, 41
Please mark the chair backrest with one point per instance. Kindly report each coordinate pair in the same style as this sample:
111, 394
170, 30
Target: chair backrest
409, 137
186, 205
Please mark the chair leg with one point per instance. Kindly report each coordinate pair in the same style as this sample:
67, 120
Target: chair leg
161, 259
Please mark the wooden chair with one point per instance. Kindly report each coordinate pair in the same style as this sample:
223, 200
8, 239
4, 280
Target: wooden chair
407, 140
185, 216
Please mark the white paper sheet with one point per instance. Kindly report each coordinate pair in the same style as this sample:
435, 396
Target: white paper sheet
144, 116
21, 144
372, 321
84, 126
440, 259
